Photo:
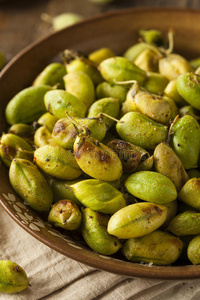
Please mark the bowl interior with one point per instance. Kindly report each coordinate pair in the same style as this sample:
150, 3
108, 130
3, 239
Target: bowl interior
118, 31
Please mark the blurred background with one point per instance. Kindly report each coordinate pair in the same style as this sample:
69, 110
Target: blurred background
22, 21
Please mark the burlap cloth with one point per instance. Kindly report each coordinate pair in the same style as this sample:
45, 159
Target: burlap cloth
54, 276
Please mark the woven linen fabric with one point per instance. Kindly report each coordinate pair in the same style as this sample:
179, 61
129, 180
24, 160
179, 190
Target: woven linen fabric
53, 276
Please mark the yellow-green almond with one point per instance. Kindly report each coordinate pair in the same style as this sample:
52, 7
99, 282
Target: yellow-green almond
137, 220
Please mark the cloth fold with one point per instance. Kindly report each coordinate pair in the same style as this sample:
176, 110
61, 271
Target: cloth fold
53, 276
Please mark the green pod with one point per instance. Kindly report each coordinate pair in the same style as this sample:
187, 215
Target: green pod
157, 248
65, 214
27, 106
152, 36
13, 146
195, 63
193, 250
13, 278
147, 60
155, 83
107, 89
81, 86
59, 102
140, 130
57, 162
186, 223
137, 220
171, 92
95, 233
64, 20
101, 54
167, 163
30, 184
188, 86
109, 106
96, 159
173, 65
152, 187
24, 131
129, 154
133, 51
42, 137
190, 193
48, 120
99, 196
85, 67
52, 75
62, 190
64, 132
121, 69
155, 107
186, 141
146, 165
191, 111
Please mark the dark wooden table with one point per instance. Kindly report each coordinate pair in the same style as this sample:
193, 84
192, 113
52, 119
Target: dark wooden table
21, 24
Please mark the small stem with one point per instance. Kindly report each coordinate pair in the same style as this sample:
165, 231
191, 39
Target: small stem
85, 131
125, 82
109, 117
171, 41
170, 129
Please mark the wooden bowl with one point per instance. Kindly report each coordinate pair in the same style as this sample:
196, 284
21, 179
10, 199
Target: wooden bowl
116, 30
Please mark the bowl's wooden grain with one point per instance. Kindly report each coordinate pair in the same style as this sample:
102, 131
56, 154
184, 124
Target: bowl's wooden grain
116, 30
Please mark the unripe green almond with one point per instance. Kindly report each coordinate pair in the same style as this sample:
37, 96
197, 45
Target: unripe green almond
158, 248
195, 63
52, 75
171, 92
146, 165
151, 186
140, 130
186, 223
147, 60
30, 184
186, 141
65, 19
13, 146
130, 155
95, 233
27, 106
59, 102
137, 220
48, 120
155, 107
13, 278
107, 89
89, 69
64, 132
173, 65
152, 36
24, 131
62, 190
101, 54
155, 83
121, 69
193, 250
190, 193
189, 110
109, 106
65, 214
81, 86
57, 162
99, 196
133, 51
96, 159
188, 86
167, 163
42, 137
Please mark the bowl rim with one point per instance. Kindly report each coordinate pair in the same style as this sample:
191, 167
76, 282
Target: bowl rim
87, 257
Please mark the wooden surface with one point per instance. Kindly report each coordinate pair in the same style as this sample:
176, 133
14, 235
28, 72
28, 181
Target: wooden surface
21, 24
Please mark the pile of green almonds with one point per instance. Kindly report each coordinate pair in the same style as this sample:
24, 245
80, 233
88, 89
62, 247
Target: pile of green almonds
109, 146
